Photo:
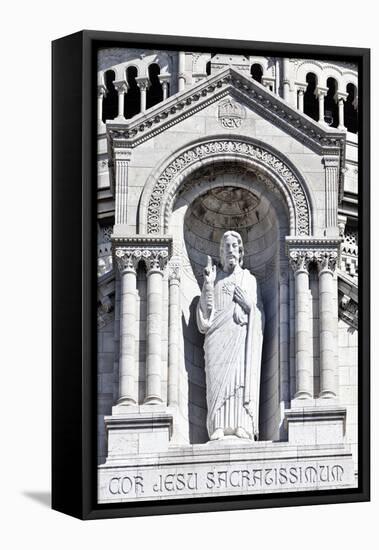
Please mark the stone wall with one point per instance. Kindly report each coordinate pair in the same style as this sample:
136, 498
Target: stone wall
348, 382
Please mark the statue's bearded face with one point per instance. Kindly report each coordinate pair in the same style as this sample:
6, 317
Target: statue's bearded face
231, 252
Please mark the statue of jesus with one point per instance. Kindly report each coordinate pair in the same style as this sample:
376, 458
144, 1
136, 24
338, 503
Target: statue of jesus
231, 316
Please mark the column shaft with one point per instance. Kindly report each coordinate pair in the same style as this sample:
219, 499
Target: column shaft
154, 324
328, 324
127, 329
120, 103
301, 100
331, 191
121, 190
304, 379
181, 69
143, 99
173, 340
284, 337
100, 107
341, 121
286, 82
303, 370
321, 98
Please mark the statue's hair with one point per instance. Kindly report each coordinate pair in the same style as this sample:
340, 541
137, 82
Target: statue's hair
240, 245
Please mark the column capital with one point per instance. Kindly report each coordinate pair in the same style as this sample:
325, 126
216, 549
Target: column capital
331, 161
342, 96
326, 260
321, 91
305, 250
155, 259
143, 82
101, 90
127, 259
154, 252
121, 86
174, 266
121, 153
299, 260
164, 78
301, 87
268, 81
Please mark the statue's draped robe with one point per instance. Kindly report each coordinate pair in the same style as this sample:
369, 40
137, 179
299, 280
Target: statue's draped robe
232, 349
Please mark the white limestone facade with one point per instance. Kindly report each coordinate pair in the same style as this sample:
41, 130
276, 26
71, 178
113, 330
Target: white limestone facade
191, 145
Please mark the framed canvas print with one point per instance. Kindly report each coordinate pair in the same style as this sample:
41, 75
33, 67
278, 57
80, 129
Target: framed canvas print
210, 274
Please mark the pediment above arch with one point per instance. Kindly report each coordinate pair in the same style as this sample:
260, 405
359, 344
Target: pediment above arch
227, 83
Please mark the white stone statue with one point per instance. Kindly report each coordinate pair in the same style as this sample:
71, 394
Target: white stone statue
231, 316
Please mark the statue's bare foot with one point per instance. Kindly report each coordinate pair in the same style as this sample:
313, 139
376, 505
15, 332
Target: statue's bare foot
217, 434
242, 433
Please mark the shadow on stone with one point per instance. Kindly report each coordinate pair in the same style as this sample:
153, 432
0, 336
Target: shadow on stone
196, 394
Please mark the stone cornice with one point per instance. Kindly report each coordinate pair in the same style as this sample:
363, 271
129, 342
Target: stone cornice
312, 243
139, 240
144, 126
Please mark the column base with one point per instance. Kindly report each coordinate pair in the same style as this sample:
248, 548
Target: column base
327, 395
315, 425
153, 400
303, 395
122, 403
137, 430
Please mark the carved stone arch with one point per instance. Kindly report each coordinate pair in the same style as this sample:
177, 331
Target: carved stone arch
165, 182
309, 66
133, 63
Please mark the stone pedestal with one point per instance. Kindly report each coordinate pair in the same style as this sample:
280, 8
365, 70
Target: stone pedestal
315, 425
140, 430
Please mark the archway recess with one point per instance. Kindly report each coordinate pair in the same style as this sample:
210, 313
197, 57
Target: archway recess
164, 184
212, 200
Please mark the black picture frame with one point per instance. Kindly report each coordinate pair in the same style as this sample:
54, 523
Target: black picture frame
74, 276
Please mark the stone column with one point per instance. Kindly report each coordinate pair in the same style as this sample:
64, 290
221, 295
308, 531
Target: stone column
127, 260
284, 332
299, 260
331, 163
341, 98
101, 93
181, 71
164, 79
122, 87
121, 161
286, 81
173, 329
156, 260
301, 89
321, 93
143, 84
326, 262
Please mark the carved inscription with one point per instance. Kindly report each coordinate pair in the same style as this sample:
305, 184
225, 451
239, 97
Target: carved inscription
148, 483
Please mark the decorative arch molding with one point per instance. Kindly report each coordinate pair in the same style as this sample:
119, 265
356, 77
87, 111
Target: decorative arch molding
162, 188
324, 71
